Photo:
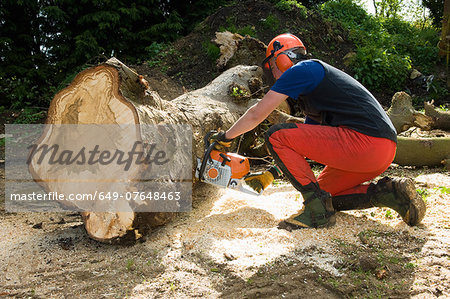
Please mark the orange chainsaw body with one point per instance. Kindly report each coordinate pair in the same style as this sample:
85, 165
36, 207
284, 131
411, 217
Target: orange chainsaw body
240, 165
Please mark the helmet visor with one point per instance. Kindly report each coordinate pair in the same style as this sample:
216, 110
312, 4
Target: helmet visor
295, 54
276, 72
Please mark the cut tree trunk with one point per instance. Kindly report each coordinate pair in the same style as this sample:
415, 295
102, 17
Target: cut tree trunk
441, 119
423, 151
403, 115
111, 93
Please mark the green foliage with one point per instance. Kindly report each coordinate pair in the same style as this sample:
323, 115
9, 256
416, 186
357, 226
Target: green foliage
42, 43
437, 90
444, 189
247, 30
419, 44
130, 265
155, 52
387, 48
410, 265
378, 68
423, 192
387, 8
288, 5
271, 22
238, 93
30, 115
436, 8
231, 27
159, 52
388, 214
212, 50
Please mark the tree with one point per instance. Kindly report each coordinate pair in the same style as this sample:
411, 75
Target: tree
444, 44
387, 8
436, 8
23, 66
42, 42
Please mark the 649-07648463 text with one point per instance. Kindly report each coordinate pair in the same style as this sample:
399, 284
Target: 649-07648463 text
103, 196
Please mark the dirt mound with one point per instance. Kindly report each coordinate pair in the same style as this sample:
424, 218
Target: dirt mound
191, 60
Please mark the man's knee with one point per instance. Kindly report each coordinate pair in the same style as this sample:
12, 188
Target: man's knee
277, 127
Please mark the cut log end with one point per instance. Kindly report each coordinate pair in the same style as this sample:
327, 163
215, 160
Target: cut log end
92, 98
106, 227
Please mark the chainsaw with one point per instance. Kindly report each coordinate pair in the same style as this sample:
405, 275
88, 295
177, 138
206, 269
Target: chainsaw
223, 169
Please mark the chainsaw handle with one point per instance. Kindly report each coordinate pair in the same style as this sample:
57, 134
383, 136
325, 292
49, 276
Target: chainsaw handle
206, 138
206, 157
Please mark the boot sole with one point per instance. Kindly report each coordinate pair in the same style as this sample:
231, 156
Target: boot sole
291, 224
417, 206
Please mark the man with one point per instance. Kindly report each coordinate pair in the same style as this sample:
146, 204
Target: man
346, 129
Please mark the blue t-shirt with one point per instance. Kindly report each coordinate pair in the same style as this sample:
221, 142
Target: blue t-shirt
300, 79
333, 98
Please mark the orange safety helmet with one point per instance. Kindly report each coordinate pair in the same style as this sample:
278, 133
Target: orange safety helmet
281, 48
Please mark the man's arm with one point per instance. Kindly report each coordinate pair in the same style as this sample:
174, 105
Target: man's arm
256, 114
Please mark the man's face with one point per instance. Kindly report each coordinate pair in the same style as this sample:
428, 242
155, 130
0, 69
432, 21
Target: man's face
275, 70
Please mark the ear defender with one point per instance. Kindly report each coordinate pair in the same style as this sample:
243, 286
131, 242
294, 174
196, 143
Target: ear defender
283, 62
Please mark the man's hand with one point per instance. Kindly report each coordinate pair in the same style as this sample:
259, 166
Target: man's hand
222, 143
259, 181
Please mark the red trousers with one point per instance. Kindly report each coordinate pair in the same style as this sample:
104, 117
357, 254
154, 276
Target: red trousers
350, 158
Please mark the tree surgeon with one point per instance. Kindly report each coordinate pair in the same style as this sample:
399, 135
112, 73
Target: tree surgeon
346, 129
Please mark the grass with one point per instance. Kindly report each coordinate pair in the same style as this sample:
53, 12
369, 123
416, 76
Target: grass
444, 190
130, 264
389, 214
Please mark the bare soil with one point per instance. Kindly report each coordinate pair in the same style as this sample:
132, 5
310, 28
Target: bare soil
229, 246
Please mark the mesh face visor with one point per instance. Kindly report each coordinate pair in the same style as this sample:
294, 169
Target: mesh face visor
268, 76
295, 54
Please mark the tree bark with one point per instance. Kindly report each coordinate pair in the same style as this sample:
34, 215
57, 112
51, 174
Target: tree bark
422, 151
444, 43
441, 119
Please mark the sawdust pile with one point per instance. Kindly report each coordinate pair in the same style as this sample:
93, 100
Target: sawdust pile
241, 231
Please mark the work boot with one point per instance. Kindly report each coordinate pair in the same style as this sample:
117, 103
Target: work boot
317, 212
400, 195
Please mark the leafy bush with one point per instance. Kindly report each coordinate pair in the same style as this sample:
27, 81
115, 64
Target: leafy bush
288, 5
386, 47
29, 115
271, 22
378, 68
